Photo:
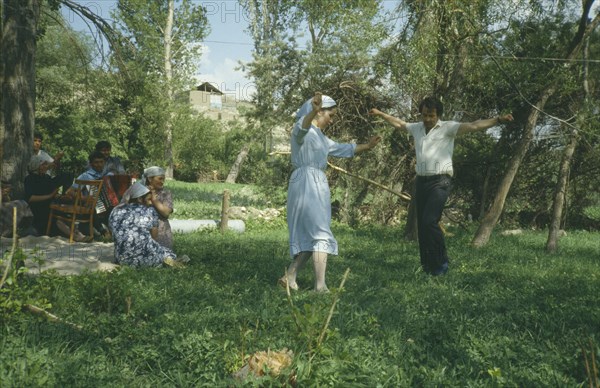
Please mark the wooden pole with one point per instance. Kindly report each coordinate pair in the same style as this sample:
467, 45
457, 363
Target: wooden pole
403, 196
225, 211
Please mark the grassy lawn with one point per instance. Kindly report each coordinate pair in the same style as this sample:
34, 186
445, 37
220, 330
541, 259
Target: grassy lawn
506, 315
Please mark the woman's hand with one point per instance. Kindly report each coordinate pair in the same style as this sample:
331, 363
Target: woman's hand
153, 195
374, 141
367, 146
505, 118
317, 101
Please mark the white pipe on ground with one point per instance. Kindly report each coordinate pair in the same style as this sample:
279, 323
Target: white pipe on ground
189, 226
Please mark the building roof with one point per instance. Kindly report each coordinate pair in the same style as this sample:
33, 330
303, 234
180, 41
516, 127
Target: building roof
208, 87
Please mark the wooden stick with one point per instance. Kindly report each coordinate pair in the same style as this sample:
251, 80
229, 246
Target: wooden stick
51, 317
402, 196
12, 250
322, 336
594, 364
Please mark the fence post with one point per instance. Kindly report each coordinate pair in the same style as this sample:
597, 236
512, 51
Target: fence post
225, 211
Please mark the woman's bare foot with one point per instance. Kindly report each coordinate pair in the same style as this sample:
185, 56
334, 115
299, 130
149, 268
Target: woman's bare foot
283, 282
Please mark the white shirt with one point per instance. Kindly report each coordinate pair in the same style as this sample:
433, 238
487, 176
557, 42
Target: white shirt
434, 150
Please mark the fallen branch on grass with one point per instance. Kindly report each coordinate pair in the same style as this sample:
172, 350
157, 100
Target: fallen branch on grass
51, 317
591, 366
331, 310
12, 250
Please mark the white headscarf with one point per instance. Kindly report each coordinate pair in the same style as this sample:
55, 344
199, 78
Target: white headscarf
135, 191
152, 171
306, 108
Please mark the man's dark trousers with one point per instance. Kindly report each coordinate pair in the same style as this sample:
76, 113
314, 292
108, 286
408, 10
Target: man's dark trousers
432, 193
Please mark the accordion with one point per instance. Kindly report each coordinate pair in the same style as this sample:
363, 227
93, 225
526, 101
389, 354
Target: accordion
113, 188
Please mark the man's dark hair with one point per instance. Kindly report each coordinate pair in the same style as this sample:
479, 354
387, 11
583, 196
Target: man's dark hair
95, 155
432, 103
37, 135
103, 144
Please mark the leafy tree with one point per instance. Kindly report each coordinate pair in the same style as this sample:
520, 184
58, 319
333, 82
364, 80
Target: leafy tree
20, 30
167, 40
544, 94
17, 82
307, 46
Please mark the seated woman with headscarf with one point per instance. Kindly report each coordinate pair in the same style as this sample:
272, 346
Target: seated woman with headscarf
134, 225
154, 179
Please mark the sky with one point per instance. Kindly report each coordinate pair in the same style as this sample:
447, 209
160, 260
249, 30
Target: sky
226, 45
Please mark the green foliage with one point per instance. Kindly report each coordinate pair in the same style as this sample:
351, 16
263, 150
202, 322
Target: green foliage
199, 144
592, 212
505, 315
30, 367
16, 291
204, 200
144, 23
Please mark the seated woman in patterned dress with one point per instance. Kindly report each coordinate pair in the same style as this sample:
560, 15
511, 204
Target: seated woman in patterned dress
134, 225
162, 200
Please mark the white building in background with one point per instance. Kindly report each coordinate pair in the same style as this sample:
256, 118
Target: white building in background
213, 103
207, 99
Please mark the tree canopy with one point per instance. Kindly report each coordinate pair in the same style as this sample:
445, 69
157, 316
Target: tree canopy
536, 59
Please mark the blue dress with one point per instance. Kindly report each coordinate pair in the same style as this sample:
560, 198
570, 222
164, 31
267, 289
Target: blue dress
134, 246
309, 198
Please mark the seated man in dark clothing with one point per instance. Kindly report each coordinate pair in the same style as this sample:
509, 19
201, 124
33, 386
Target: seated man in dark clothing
112, 164
40, 190
95, 171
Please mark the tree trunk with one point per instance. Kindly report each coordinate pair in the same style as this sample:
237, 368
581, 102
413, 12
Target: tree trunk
170, 95
17, 117
237, 166
490, 219
485, 192
560, 193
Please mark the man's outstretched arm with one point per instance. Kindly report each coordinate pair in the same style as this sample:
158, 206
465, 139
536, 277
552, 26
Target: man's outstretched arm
484, 124
396, 122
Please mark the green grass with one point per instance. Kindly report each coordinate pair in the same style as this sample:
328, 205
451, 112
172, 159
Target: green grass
204, 200
506, 315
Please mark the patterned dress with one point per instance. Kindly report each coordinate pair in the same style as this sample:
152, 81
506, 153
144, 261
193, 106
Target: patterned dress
309, 198
165, 235
134, 246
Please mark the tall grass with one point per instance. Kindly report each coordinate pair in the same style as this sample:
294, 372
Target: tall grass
506, 315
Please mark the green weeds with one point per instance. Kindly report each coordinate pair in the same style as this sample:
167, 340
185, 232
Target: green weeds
506, 315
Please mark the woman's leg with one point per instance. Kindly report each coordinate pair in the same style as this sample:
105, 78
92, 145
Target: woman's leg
320, 264
297, 265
